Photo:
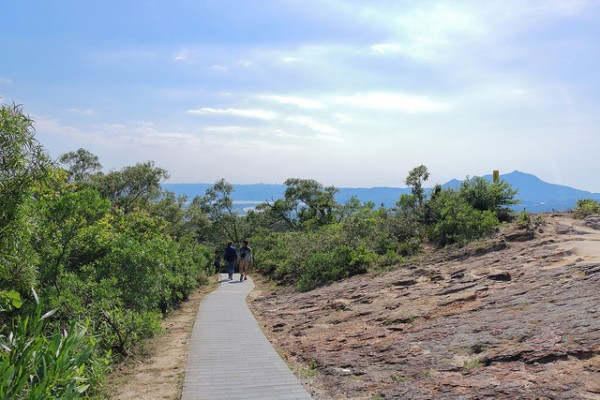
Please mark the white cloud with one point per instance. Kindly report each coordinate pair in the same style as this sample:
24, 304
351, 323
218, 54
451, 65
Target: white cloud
236, 112
245, 63
343, 118
117, 135
560, 7
227, 129
87, 111
182, 55
393, 102
55, 127
5, 81
312, 124
218, 68
386, 48
280, 133
296, 101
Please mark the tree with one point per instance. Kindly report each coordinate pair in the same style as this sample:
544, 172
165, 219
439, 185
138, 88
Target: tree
312, 203
415, 180
457, 221
65, 217
483, 195
134, 186
23, 162
278, 215
218, 204
23, 165
82, 164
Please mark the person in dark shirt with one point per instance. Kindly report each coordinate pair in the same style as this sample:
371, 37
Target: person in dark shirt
231, 258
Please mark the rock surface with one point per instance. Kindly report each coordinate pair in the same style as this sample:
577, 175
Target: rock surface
516, 317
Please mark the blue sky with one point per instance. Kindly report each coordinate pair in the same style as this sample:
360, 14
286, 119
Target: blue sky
350, 93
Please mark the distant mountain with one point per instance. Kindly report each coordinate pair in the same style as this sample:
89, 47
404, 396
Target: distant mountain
535, 195
533, 189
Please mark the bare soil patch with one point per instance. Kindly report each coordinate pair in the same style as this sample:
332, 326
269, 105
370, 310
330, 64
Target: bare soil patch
157, 368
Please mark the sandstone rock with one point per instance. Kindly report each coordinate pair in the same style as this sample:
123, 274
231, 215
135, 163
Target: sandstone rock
519, 235
563, 229
592, 221
514, 323
500, 276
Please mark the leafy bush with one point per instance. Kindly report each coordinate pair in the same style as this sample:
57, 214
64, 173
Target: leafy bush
586, 207
484, 195
105, 249
36, 366
339, 263
458, 222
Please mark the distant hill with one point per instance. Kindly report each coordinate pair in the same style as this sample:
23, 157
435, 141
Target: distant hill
535, 195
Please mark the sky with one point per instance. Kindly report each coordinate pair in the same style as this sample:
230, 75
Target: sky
348, 93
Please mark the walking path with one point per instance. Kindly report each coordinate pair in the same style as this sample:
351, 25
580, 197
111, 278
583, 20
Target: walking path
230, 357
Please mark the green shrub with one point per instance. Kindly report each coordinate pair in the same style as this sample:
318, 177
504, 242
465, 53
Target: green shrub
484, 195
122, 328
460, 223
38, 365
586, 207
339, 263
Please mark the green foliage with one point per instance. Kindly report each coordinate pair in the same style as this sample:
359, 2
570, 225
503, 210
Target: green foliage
121, 328
82, 165
34, 365
524, 220
23, 165
458, 222
132, 186
321, 250
339, 263
311, 259
415, 180
314, 205
483, 195
18, 258
218, 205
23, 162
64, 220
111, 250
10, 300
306, 205
586, 207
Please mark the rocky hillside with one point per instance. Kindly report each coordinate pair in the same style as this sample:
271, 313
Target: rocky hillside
516, 317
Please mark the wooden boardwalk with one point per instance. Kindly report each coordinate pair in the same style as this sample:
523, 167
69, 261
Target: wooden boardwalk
230, 357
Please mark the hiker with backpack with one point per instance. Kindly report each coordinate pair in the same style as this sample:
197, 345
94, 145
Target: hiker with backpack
231, 258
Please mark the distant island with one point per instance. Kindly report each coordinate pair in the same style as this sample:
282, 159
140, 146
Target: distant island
535, 194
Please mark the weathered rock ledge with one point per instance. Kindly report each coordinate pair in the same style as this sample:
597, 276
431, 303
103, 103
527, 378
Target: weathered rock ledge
516, 317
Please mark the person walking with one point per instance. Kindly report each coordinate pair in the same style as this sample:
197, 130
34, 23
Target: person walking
231, 258
245, 260
217, 262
